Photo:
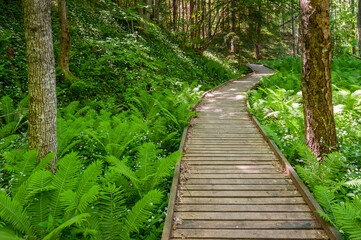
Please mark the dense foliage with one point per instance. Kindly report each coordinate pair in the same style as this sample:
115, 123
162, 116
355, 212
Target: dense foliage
336, 182
120, 120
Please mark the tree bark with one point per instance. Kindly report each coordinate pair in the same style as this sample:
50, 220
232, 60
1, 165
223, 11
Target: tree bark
257, 47
175, 10
41, 77
359, 26
65, 44
320, 131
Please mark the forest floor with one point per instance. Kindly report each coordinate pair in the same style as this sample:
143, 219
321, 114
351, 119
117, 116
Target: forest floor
235, 184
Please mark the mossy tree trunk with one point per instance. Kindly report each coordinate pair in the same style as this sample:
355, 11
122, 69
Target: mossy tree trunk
65, 44
359, 26
41, 77
316, 84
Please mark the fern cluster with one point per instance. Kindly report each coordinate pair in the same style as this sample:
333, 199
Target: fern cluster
111, 175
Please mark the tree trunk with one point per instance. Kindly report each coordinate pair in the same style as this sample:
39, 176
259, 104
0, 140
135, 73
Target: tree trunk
359, 26
320, 131
353, 26
257, 48
41, 77
294, 32
65, 44
175, 10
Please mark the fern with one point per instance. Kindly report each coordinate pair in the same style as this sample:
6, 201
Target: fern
140, 213
77, 219
111, 210
12, 212
147, 154
6, 234
165, 168
348, 215
64, 179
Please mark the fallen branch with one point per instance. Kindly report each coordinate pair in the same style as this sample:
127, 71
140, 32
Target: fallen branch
354, 56
13, 113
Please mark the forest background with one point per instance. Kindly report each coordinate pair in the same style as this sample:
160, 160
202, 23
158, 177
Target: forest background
127, 73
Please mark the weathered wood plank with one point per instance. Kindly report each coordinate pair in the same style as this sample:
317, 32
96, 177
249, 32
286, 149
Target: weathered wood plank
212, 181
226, 158
235, 170
280, 187
232, 167
228, 162
247, 155
238, 176
248, 234
244, 216
242, 208
226, 151
254, 201
196, 224
234, 193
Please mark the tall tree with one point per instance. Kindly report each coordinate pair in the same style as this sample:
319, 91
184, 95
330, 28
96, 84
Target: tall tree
316, 85
41, 77
65, 45
359, 26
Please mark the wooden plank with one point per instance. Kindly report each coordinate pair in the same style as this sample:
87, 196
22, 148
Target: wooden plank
229, 142
238, 176
248, 234
299, 224
244, 216
244, 193
230, 145
229, 162
236, 201
230, 158
223, 171
252, 156
242, 208
231, 167
269, 187
226, 151
227, 135
212, 181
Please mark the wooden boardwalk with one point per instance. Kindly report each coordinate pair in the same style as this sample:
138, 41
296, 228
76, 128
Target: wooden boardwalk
232, 182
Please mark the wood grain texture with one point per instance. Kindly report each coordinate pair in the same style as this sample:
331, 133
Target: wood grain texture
233, 184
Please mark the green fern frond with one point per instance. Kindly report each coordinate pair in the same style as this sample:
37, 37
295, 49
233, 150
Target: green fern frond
87, 197
12, 212
64, 179
7, 107
89, 177
348, 215
326, 198
354, 182
38, 182
74, 220
165, 167
111, 210
45, 162
25, 167
8, 235
147, 154
140, 213
123, 169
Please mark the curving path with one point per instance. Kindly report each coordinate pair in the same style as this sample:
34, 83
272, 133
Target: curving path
231, 183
